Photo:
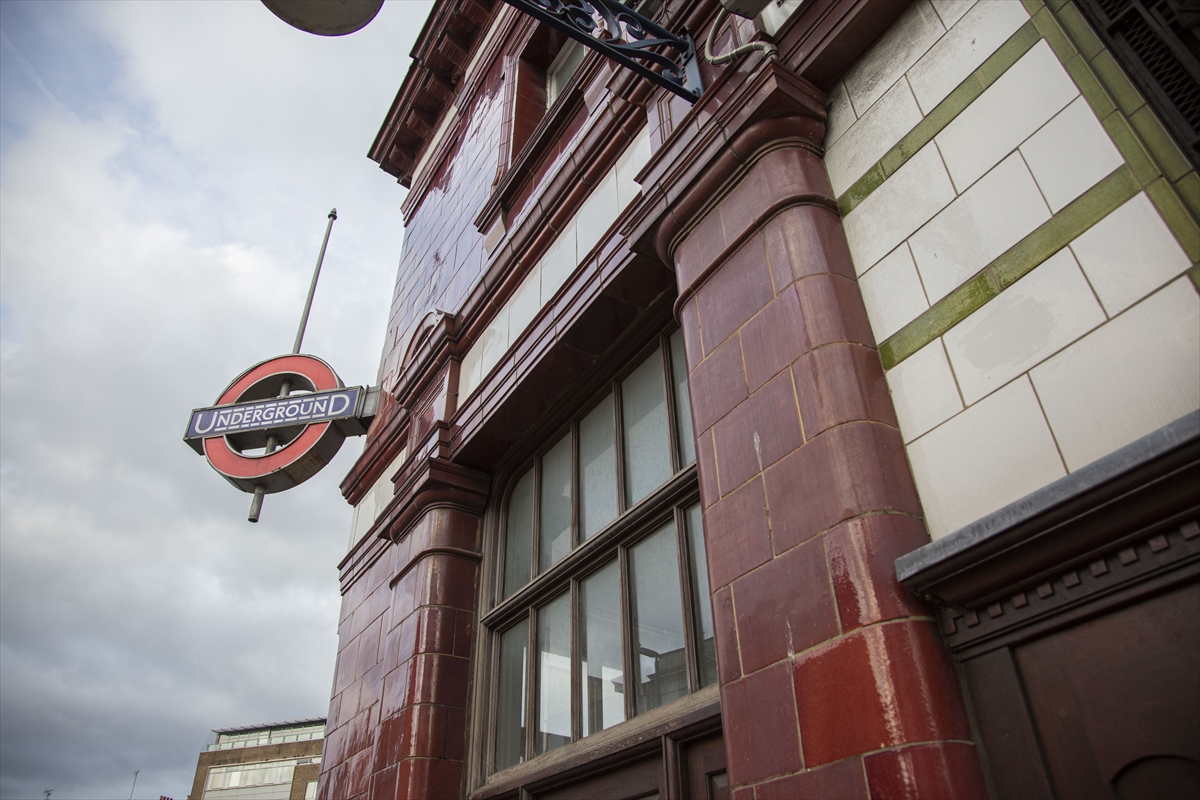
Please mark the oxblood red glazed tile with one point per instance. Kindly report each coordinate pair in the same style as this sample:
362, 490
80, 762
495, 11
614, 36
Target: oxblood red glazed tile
426, 732
706, 465
784, 607
942, 769
368, 648
842, 383
464, 626
807, 240
361, 732
756, 434
760, 726
733, 293
337, 782
832, 310
389, 650
717, 384
449, 581
862, 555
744, 793
844, 780
358, 774
845, 472
456, 733
745, 203
725, 628
773, 339
383, 783
435, 630
344, 672
697, 251
881, 686
439, 679
350, 697
736, 534
429, 779
372, 686
395, 690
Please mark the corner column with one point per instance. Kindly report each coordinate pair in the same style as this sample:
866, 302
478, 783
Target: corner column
833, 679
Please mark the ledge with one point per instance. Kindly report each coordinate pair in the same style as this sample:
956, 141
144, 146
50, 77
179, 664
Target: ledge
1148, 482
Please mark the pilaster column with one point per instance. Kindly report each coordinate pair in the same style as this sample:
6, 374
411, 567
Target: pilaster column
833, 679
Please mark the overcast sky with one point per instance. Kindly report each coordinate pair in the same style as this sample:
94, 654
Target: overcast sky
165, 172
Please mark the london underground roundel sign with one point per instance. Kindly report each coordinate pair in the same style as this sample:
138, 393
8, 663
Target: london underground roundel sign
279, 422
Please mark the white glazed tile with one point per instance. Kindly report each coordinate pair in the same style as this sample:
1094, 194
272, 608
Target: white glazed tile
994, 214
1020, 101
596, 214
950, 11
840, 114
495, 341
1126, 379
923, 391
906, 201
470, 372
884, 124
1070, 154
896, 51
995, 452
1030, 321
1129, 254
892, 293
525, 303
968, 44
559, 262
630, 164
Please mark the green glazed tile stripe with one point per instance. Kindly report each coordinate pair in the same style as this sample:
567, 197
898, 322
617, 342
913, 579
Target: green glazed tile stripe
942, 115
1188, 188
1194, 274
1053, 235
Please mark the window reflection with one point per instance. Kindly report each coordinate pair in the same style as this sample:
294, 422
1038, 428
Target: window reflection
658, 641
554, 674
601, 671
510, 702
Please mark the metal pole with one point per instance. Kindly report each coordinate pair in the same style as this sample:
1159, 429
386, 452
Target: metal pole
131, 788
260, 491
312, 289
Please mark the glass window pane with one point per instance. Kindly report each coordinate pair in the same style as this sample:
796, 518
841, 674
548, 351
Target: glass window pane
554, 674
657, 620
705, 642
519, 537
510, 704
597, 468
647, 442
600, 669
556, 505
683, 403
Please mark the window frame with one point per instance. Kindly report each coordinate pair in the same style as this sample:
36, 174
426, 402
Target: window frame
668, 503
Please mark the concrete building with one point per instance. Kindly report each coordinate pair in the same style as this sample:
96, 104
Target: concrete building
834, 436
277, 761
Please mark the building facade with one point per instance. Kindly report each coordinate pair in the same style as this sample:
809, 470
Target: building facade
277, 761
834, 436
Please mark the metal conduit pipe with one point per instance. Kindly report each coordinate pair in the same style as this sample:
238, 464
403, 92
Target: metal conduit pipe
768, 48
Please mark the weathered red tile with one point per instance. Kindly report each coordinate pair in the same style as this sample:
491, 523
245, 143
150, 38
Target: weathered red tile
831, 310
848, 471
806, 240
372, 686
439, 679
759, 719
383, 783
862, 555
736, 291
429, 778
717, 385
725, 625
756, 434
844, 780
942, 769
881, 686
706, 466
736, 534
773, 339
368, 648
395, 690
696, 252
784, 607
842, 383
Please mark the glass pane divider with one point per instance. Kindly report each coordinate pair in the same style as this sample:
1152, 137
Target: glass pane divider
576, 664
531, 684
619, 436
688, 602
627, 638
664, 344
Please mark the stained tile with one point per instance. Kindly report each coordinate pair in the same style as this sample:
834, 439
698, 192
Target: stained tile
941, 769
892, 293
1126, 379
806, 240
717, 385
773, 339
993, 215
831, 310
906, 201
841, 383
995, 452
841, 114
924, 393
736, 534
1030, 321
760, 726
734, 292
950, 11
1070, 154
881, 686
1129, 254
862, 555
896, 51
756, 434
729, 666
845, 472
885, 123
784, 606
1008, 112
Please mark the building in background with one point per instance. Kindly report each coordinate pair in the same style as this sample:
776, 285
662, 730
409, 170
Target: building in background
836, 435
278, 761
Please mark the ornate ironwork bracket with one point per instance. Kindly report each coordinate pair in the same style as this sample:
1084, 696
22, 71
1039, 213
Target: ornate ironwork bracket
624, 36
